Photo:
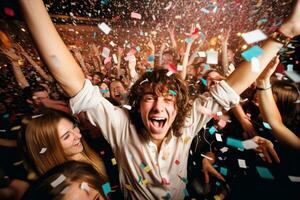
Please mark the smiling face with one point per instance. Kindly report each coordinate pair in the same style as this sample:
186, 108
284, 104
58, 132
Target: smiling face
70, 138
74, 192
117, 91
158, 112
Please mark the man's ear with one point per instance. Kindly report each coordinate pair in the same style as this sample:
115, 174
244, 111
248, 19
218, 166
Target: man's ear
29, 101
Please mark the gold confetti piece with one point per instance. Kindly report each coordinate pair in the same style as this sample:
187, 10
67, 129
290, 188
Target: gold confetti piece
15, 128
185, 140
147, 169
113, 161
128, 187
145, 181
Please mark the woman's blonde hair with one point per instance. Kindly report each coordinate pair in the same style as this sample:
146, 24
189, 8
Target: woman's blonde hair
43, 148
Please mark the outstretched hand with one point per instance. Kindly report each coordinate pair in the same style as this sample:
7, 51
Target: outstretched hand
208, 169
267, 73
266, 147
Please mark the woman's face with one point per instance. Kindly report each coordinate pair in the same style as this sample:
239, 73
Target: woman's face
77, 192
70, 138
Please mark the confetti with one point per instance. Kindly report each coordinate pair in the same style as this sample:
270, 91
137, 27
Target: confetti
128, 107
234, 143
172, 92
264, 172
223, 171
255, 65
65, 190
43, 150
84, 186
104, 27
128, 187
105, 52
267, 126
177, 162
186, 193
254, 36
15, 128
252, 52
58, 181
209, 158
201, 54
212, 130
106, 188
249, 144
115, 59
135, 15
218, 137
151, 58
211, 57
9, 11
294, 178
36, 116
242, 163
222, 123
113, 161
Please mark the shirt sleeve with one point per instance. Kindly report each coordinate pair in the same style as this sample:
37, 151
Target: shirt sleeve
222, 96
111, 120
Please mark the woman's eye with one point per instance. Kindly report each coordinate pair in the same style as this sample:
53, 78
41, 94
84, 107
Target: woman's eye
66, 136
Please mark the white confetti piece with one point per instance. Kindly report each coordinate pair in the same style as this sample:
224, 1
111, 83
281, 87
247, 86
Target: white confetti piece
242, 163
112, 43
43, 150
105, 52
219, 113
209, 158
115, 58
58, 181
168, 6
36, 116
212, 57
224, 149
294, 178
84, 186
104, 27
128, 107
169, 73
65, 190
249, 144
255, 64
201, 54
146, 80
218, 137
254, 36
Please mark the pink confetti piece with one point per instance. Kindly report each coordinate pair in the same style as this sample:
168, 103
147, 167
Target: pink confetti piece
135, 15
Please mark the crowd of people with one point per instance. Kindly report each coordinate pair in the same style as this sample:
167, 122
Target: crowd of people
170, 121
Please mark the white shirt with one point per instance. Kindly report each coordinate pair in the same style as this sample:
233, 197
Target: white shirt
145, 173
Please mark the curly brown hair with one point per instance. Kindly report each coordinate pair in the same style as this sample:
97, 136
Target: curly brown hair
160, 83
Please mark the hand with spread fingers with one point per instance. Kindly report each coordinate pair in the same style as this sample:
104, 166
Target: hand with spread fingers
208, 169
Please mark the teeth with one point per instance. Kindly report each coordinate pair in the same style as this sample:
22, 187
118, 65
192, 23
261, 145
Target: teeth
158, 118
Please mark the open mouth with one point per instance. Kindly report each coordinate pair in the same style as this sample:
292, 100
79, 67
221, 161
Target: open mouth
77, 143
158, 122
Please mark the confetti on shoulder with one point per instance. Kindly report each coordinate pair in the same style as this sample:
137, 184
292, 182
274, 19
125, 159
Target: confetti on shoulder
128, 107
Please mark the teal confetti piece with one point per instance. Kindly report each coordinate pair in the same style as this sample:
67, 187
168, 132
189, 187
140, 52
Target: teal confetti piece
234, 143
172, 92
186, 193
183, 179
218, 183
104, 2
140, 179
203, 81
266, 125
94, 35
151, 58
212, 130
150, 70
104, 91
252, 52
188, 40
138, 48
206, 67
223, 171
167, 197
264, 173
142, 165
106, 188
